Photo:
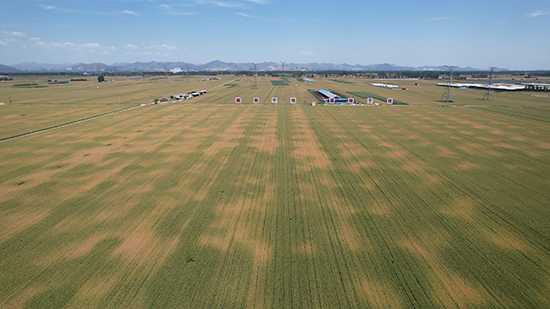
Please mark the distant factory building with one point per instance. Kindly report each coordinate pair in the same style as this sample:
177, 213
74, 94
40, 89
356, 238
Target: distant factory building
537, 87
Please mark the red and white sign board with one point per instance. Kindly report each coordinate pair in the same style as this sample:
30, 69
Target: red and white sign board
390, 100
274, 100
370, 101
332, 100
351, 100
238, 100
292, 100
256, 100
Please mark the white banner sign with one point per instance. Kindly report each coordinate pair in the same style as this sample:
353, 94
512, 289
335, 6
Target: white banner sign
238, 100
370, 100
292, 100
274, 100
351, 100
390, 100
256, 100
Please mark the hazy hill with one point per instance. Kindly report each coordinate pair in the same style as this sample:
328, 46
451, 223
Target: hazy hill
218, 65
6, 69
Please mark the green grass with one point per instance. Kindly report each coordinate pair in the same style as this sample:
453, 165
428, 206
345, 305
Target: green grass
342, 81
279, 83
365, 95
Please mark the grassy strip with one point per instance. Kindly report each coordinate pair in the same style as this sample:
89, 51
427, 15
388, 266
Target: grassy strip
231, 85
279, 83
365, 95
342, 81
24, 85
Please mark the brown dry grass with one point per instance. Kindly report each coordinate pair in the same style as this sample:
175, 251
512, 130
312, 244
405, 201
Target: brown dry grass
93, 291
267, 140
22, 297
307, 147
446, 152
467, 166
377, 294
380, 209
231, 228
464, 208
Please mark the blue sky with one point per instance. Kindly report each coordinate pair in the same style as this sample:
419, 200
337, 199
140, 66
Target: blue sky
505, 33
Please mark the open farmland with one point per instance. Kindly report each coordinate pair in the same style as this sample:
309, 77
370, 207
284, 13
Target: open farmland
223, 205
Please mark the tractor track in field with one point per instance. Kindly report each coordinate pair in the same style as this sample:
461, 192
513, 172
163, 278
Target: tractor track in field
71, 123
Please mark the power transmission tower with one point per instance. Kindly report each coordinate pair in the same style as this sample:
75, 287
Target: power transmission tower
255, 76
283, 63
490, 90
448, 94
166, 73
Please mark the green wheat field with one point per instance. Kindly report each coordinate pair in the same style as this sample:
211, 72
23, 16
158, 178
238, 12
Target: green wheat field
210, 204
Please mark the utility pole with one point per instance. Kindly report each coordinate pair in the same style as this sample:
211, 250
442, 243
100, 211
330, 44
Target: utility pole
187, 68
490, 90
448, 94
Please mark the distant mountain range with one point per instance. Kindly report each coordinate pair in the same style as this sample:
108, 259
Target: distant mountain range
33, 67
6, 69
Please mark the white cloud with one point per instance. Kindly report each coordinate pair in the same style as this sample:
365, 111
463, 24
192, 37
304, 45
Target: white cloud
91, 45
10, 40
225, 4
171, 11
244, 14
259, 1
163, 47
132, 46
35, 39
61, 45
14, 33
64, 10
3, 43
73, 47
538, 13
129, 12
